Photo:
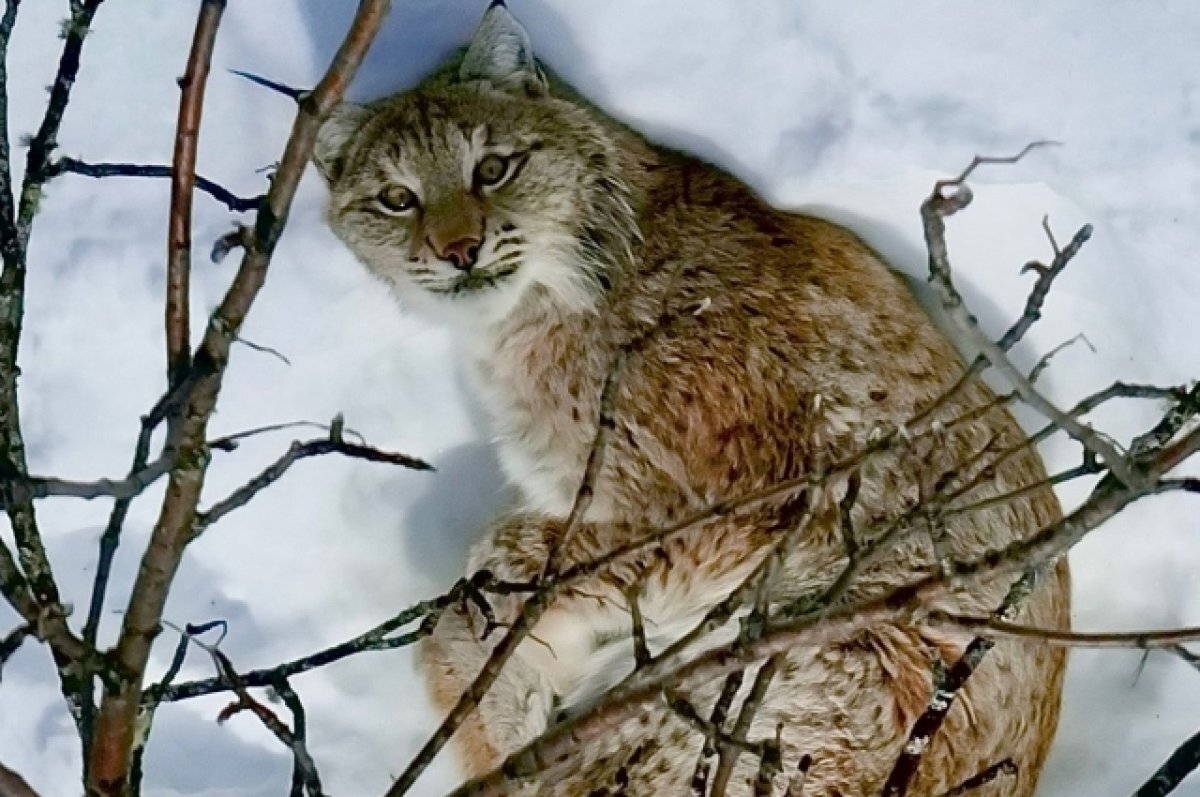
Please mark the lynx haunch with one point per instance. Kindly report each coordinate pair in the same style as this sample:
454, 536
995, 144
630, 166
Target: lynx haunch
549, 237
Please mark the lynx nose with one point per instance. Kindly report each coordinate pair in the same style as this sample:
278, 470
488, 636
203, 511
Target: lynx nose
461, 253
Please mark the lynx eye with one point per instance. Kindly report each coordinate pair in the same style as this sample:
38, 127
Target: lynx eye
491, 170
397, 199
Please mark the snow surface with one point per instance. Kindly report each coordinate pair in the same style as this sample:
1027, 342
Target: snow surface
850, 108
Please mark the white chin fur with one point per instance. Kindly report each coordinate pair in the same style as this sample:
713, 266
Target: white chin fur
548, 266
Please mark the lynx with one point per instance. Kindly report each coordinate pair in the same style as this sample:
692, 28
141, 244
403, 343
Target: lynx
550, 237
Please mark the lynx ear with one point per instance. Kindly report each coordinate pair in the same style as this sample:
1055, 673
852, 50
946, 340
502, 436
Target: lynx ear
501, 54
334, 137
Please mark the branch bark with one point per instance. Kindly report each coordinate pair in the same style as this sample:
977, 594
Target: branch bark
235, 203
183, 182
33, 592
1181, 763
110, 755
13, 785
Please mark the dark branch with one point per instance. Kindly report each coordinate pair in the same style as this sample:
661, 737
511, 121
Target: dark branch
183, 182
218, 192
45, 141
334, 444
305, 767
1178, 766
8, 209
186, 636
11, 643
175, 527
728, 753
1005, 767
35, 595
284, 89
378, 638
13, 785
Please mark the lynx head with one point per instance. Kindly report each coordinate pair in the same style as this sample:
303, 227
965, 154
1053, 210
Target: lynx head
480, 186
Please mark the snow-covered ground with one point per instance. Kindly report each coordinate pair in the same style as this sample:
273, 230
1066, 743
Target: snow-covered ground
851, 108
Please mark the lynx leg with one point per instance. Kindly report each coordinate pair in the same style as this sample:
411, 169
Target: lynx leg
513, 711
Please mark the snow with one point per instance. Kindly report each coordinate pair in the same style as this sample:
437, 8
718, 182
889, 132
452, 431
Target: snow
852, 109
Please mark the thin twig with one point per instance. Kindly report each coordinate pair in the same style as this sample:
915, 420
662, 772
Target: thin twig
45, 140
1185, 408
796, 785
13, 785
978, 781
110, 761
770, 764
302, 759
288, 91
1186, 655
183, 181
230, 442
235, 203
552, 575
167, 405
11, 643
21, 490
8, 209
298, 451
1044, 361
641, 653
1003, 629
150, 707
729, 690
47, 612
992, 160
300, 777
683, 709
933, 214
728, 753
1108, 498
378, 638
265, 350
1181, 763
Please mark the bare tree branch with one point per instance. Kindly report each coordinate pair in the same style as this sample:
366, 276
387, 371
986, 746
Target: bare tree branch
728, 753
305, 767
150, 707
770, 764
796, 785
1005, 767
35, 593
1186, 655
552, 575
334, 444
11, 643
1002, 629
1178, 766
933, 213
232, 441
1110, 496
378, 638
729, 690
183, 181
235, 203
26, 489
111, 754
301, 776
45, 141
948, 682
8, 209
13, 785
